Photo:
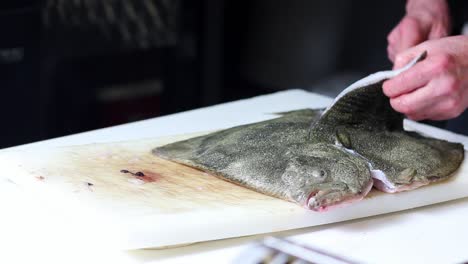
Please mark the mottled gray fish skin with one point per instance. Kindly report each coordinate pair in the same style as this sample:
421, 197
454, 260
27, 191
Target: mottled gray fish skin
363, 121
274, 157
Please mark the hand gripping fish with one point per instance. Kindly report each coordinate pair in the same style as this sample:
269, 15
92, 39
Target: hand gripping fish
362, 121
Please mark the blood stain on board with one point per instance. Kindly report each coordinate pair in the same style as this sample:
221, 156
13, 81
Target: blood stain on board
150, 176
146, 176
40, 178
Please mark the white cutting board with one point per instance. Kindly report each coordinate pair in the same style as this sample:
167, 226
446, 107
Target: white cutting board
176, 205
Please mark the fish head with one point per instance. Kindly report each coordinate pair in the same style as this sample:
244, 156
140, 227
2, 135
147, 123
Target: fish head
321, 176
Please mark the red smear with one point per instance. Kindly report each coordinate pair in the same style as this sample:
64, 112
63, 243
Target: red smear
149, 176
146, 176
40, 178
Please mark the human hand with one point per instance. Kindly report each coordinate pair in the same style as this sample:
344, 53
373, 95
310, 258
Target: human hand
424, 20
435, 88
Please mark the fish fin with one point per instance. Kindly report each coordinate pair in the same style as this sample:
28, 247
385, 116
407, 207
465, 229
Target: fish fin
181, 150
364, 104
304, 111
365, 107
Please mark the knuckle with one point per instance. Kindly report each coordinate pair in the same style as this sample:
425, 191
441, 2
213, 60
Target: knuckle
453, 104
452, 84
412, 21
409, 23
449, 87
443, 63
400, 59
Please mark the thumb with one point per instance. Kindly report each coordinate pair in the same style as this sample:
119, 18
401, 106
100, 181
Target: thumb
404, 57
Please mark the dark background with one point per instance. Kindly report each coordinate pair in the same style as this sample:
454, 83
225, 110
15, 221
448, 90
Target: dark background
72, 66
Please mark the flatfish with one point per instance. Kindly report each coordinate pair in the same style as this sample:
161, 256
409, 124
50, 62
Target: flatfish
362, 121
276, 158
354, 144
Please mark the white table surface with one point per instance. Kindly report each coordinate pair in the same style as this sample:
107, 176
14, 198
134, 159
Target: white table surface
431, 234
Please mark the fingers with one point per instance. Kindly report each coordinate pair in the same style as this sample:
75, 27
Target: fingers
419, 75
450, 103
438, 100
443, 110
404, 57
435, 88
411, 33
415, 104
408, 33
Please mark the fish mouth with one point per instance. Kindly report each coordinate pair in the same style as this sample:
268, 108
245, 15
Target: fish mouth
322, 201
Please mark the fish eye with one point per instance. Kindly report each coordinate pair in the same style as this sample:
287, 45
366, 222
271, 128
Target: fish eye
319, 174
323, 173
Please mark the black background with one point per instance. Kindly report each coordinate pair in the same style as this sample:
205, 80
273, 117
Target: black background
52, 76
